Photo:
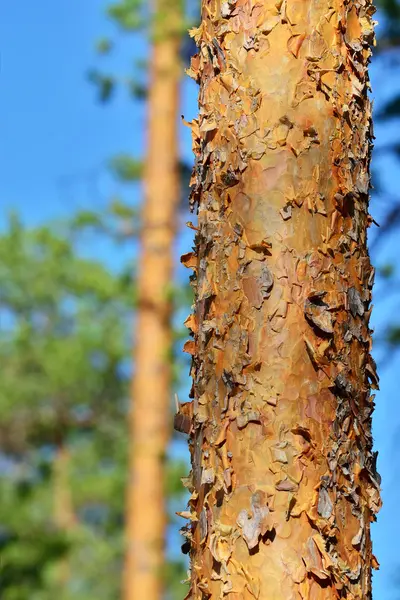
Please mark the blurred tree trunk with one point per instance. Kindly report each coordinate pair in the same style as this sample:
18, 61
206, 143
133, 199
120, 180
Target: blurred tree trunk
150, 422
284, 482
64, 515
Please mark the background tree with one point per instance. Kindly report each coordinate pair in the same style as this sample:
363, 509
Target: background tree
65, 350
151, 390
152, 379
284, 486
62, 348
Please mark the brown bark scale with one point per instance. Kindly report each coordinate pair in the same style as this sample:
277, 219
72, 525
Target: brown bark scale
284, 485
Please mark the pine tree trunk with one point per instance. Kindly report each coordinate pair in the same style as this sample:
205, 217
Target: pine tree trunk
64, 515
150, 422
284, 481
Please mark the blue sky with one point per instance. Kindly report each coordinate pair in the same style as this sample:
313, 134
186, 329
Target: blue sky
55, 140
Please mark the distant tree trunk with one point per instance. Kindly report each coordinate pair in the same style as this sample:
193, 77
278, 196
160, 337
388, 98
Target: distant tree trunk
151, 390
284, 481
64, 514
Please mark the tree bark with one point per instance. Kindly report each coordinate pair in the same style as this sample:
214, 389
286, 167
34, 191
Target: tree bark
150, 422
284, 483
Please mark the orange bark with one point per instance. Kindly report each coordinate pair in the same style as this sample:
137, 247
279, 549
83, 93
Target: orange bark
284, 485
150, 423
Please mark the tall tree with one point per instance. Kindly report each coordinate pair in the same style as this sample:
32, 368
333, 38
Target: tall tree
65, 352
63, 343
284, 486
146, 513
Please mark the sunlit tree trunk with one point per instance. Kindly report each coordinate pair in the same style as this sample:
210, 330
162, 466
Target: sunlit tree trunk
150, 423
284, 481
64, 514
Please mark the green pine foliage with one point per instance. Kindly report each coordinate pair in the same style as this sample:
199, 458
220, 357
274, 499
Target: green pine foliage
128, 14
65, 350
63, 339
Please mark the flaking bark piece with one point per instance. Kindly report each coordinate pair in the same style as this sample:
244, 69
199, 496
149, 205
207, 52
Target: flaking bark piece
246, 417
343, 385
256, 524
227, 7
230, 178
208, 476
295, 42
183, 418
325, 506
358, 538
318, 314
286, 212
258, 283
189, 260
263, 247
286, 485
356, 305
266, 281
372, 374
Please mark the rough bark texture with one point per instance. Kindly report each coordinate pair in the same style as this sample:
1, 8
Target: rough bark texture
284, 485
149, 429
